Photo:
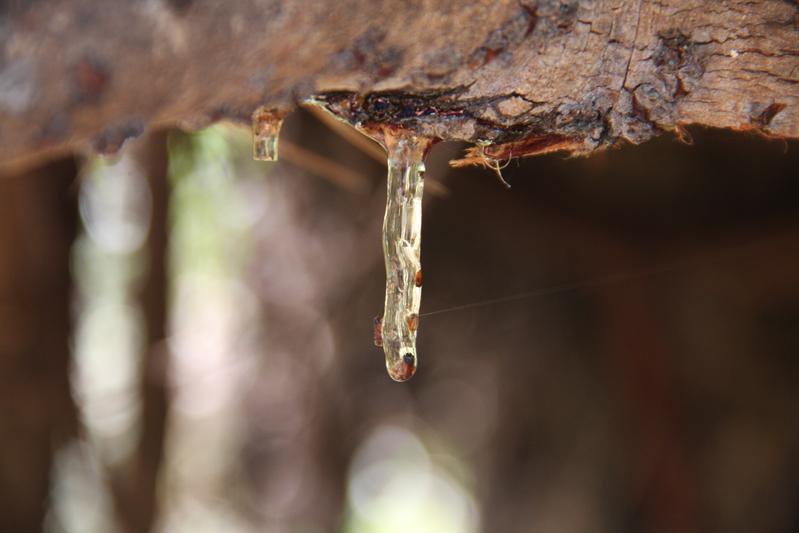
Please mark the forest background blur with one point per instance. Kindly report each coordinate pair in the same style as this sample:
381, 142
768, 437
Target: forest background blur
186, 346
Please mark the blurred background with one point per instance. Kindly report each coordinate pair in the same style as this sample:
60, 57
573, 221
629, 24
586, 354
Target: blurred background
610, 345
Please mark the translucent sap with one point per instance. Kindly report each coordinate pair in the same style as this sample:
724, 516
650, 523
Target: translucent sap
265, 132
402, 236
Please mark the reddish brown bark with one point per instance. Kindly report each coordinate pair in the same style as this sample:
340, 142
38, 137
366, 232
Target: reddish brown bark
93, 73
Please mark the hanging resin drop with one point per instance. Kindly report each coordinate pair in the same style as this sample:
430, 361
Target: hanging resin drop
266, 125
402, 236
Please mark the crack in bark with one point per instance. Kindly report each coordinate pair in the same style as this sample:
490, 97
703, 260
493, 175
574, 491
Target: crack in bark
633, 47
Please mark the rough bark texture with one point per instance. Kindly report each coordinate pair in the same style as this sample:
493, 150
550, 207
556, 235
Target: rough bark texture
578, 73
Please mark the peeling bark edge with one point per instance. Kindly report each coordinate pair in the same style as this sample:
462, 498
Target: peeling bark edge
79, 74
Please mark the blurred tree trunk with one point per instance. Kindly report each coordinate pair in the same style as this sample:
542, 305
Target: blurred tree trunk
135, 483
529, 75
37, 227
639, 358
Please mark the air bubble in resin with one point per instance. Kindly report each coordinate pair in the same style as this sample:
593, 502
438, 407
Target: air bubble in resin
402, 237
266, 125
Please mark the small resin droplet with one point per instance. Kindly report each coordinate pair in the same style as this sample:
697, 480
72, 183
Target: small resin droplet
402, 237
266, 125
406, 369
378, 331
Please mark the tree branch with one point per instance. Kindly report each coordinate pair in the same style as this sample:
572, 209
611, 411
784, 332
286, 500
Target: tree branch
582, 72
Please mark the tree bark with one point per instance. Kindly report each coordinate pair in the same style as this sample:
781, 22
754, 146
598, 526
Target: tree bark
540, 74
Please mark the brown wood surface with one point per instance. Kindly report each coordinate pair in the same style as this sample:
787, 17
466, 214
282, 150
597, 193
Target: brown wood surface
582, 74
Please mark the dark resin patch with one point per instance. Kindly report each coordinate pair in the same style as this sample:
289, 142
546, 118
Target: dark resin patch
112, 140
90, 79
767, 115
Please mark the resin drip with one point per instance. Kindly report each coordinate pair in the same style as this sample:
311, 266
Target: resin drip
265, 131
402, 236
